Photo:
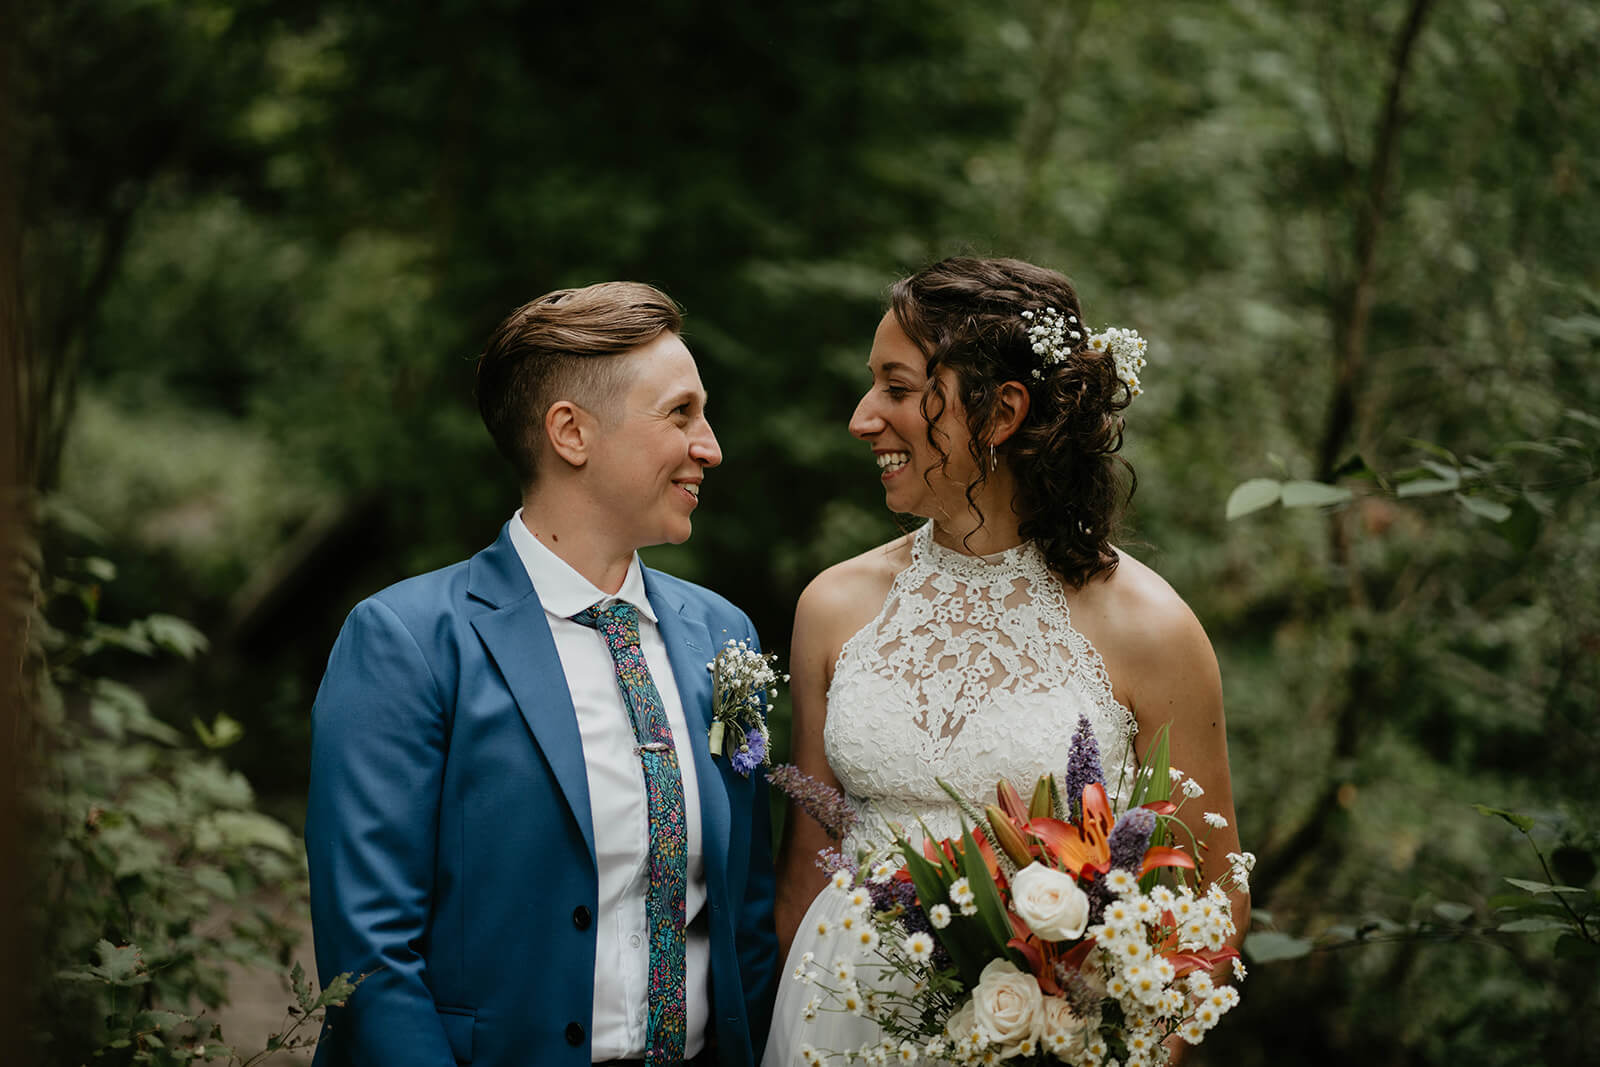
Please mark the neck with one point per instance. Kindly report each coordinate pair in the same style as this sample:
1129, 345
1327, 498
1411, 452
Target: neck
566, 526
995, 530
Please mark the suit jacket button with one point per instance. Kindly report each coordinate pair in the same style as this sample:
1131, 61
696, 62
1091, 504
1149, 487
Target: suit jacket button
581, 917
574, 1034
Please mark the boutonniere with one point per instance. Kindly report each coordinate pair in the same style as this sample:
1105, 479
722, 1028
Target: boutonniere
743, 681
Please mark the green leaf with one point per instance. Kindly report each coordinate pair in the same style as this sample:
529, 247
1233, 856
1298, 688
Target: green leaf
337, 991
175, 635
304, 994
991, 911
243, 829
160, 1020
119, 964
932, 888
1268, 946
1153, 782
1484, 508
1532, 925
101, 570
1435, 450
1543, 887
1300, 494
1521, 822
1583, 417
1427, 486
1451, 911
214, 882
223, 731
1253, 495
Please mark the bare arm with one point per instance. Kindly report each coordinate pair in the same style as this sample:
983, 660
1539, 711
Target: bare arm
1184, 689
811, 658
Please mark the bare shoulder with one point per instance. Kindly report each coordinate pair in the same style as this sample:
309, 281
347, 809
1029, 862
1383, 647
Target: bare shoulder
1143, 630
848, 595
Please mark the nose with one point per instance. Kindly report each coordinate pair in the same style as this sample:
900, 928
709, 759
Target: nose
866, 422
703, 448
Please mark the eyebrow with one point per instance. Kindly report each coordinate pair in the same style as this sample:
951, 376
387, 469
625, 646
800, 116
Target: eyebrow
685, 395
892, 366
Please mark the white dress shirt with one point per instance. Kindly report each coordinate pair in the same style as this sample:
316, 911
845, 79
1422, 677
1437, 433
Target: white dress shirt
618, 806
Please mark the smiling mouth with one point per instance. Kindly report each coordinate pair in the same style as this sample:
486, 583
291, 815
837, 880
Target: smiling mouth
692, 488
890, 462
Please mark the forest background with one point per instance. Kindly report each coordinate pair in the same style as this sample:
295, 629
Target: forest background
251, 248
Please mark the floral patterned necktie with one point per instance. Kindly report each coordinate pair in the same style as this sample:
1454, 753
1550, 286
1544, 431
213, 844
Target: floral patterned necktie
666, 1029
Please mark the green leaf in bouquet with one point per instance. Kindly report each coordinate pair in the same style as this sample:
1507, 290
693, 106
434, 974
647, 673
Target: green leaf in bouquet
1153, 782
934, 888
991, 911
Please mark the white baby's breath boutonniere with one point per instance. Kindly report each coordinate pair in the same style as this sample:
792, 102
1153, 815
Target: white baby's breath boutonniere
743, 681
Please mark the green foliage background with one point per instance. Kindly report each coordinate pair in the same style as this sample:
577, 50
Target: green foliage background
265, 238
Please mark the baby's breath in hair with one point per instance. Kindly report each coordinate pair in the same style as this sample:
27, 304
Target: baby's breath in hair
1050, 337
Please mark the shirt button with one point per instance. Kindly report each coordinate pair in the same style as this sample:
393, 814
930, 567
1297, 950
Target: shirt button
574, 1034
581, 917
635, 940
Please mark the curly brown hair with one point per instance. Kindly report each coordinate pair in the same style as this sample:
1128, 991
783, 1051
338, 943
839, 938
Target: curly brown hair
966, 314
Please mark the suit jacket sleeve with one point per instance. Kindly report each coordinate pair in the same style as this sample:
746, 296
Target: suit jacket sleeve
757, 939
379, 733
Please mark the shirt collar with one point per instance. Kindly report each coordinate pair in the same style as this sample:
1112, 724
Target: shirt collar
563, 591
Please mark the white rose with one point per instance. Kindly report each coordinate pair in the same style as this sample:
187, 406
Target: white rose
1060, 1019
1050, 902
960, 1023
1007, 1006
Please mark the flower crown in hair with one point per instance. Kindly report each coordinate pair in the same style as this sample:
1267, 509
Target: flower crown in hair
1055, 337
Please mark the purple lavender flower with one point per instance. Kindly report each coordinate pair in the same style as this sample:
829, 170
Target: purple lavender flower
1130, 837
823, 803
750, 754
1083, 766
830, 860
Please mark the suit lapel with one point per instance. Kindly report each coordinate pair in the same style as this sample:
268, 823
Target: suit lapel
518, 639
689, 648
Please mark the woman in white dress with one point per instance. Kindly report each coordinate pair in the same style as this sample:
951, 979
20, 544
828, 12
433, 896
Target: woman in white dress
968, 649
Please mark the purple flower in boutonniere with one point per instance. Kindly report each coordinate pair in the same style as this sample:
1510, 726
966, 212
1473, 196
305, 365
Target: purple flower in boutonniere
743, 682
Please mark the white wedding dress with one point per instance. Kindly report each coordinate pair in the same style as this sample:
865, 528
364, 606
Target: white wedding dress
972, 671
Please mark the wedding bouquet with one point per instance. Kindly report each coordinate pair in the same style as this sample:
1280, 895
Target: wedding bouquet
1045, 933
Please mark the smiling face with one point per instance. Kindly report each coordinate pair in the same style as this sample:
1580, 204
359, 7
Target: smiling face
917, 480
652, 448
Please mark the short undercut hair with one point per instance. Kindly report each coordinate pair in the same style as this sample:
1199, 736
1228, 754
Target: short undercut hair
562, 346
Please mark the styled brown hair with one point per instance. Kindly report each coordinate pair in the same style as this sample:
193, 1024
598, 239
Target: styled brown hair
966, 314
557, 347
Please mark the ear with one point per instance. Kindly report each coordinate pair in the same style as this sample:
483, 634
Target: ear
1009, 411
571, 432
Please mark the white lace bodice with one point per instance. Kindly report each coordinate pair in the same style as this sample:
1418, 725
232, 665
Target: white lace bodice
971, 671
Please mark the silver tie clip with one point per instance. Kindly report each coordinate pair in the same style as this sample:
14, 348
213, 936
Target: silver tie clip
653, 746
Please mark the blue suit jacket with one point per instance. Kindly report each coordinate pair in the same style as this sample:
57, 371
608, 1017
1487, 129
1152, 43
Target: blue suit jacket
449, 835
